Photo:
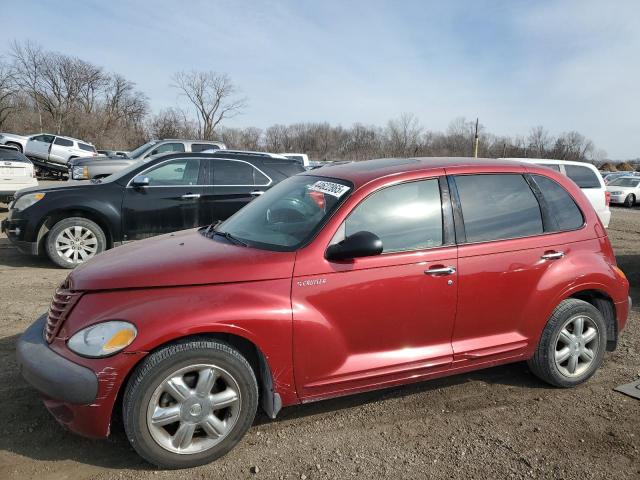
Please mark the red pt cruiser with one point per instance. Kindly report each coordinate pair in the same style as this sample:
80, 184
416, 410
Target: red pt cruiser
344, 279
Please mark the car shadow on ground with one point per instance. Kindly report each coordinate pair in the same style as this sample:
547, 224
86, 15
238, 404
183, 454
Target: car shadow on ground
33, 433
12, 257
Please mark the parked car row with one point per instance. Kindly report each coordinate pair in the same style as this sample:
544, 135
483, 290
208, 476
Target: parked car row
625, 190
335, 281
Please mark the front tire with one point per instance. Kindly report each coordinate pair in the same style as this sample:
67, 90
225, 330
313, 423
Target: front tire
190, 403
630, 200
572, 344
73, 241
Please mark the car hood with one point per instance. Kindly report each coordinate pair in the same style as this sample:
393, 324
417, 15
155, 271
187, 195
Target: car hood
58, 187
179, 259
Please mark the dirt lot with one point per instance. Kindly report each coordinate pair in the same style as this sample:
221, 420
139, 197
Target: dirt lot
497, 423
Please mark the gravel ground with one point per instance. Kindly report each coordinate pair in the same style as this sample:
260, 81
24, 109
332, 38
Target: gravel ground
496, 423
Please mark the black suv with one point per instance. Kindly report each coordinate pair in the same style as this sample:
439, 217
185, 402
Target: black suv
74, 221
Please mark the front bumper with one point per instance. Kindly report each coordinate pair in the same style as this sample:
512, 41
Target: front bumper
50, 373
14, 230
79, 392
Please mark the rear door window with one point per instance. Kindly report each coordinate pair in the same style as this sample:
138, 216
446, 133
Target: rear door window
201, 147
63, 142
405, 217
228, 173
498, 207
562, 207
583, 176
88, 148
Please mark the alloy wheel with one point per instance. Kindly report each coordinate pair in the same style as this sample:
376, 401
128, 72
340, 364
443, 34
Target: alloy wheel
194, 409
576, 346
76, 244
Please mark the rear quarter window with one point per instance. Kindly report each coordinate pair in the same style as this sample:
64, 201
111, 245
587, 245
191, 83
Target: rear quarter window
498, 207
562, 207
88, 148
287, 169
583, 176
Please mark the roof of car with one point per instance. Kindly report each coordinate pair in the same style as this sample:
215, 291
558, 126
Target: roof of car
552, 161
361, 172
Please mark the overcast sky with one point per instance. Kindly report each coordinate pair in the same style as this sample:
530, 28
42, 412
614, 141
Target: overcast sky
567, 65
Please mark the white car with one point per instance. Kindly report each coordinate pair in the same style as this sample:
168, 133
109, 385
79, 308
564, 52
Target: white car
16, 173
586, 176
625, 190
303, 158
13, 140
57, 149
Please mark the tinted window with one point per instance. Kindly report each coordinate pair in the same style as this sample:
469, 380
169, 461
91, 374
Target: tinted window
229, 173
583, 176
405, 217
168, 148
285, 168
551, 166
175, 173
496, 207
12, 156
561, 206
63, 142
43, 138
200, 147
88, 148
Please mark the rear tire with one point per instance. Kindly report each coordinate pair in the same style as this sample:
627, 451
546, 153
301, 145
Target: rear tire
73, 241
189, 403
630, 200
572, 344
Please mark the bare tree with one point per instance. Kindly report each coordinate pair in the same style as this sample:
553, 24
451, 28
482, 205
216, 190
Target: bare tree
214, 97
539, 141
8, 92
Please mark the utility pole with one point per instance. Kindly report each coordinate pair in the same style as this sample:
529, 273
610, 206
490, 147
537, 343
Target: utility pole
475, 141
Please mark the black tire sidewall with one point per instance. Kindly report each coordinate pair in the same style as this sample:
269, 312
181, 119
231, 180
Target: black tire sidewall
555, 325
630, 200
147, 377
70, 222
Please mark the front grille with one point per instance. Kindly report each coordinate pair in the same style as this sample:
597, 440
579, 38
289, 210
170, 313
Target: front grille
61, 304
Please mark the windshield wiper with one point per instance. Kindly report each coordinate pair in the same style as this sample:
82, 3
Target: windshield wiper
211, 227
231, 238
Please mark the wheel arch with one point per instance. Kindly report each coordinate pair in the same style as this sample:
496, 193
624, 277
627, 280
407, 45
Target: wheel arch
605, 304
270, 400
90, 214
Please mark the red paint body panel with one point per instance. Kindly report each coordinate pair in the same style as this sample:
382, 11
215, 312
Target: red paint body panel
332, 328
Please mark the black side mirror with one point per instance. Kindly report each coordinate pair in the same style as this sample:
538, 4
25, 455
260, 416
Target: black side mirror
140, 181
360, 244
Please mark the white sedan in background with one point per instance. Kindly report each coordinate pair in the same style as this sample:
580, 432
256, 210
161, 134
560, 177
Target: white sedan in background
625, 190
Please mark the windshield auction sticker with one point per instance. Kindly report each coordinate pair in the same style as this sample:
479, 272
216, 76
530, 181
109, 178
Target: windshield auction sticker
330, 188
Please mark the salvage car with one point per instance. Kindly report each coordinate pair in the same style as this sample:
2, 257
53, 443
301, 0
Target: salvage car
16, 173
101, 167
74, 221
51, 153
339, 280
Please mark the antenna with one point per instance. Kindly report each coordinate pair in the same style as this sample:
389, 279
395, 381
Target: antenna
475, 141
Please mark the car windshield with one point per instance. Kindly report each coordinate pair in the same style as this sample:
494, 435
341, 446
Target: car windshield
288, 215
625, 182
141, 149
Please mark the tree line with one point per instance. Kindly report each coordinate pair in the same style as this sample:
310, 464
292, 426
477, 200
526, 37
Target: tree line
45, 91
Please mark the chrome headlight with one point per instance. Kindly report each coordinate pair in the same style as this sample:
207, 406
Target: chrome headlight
102, 339
80, 173
25, 201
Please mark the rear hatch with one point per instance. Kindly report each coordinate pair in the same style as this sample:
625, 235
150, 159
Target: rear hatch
15, 172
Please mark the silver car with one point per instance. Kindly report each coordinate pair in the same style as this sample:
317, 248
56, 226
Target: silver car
47, 148
100, 167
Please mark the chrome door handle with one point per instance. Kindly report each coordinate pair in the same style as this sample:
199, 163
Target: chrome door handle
440, 271
257, 193
552, 256
188, 196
